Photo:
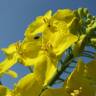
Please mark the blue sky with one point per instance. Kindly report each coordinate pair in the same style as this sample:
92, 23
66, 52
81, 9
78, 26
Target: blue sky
15, 15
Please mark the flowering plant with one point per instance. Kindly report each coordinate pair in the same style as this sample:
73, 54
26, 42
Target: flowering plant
51, 44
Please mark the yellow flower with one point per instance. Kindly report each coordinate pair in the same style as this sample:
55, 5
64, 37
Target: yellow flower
82, 81
7, 64
10, 60
46, 67
33, 83
29, 48
45, 39
38, 25
65, 15
56, 31
55, 92
28, 86
83, 78
45, 31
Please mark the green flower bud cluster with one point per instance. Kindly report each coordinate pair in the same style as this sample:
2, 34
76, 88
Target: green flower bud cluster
86, 30
88, 21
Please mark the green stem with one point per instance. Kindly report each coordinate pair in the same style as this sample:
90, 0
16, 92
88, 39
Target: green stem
64, 66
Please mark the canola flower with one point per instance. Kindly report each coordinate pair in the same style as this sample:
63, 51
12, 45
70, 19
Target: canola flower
28, 50
46, 40
81, 81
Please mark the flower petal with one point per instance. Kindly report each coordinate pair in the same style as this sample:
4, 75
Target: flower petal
38, 25
8, 63
46, 67
65, 15
29, 85
59, 37
11, 49
55, 92
83, 78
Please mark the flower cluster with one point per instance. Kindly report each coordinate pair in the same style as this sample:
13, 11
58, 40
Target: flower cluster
46, 40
